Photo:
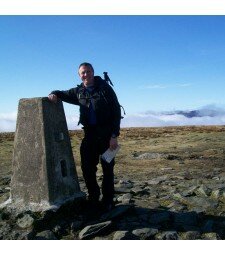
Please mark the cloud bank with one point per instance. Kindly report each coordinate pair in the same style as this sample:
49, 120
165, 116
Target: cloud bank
8, 122
208, 115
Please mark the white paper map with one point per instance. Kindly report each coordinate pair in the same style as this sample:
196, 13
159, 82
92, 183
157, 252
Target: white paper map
108, 155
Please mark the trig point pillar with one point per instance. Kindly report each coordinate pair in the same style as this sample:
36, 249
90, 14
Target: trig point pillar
44, 172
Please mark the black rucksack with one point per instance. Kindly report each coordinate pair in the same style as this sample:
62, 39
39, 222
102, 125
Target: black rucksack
109, 82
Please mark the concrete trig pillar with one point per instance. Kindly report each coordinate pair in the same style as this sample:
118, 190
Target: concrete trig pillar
44, 172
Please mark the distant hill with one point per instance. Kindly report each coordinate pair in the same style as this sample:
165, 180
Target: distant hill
197, 113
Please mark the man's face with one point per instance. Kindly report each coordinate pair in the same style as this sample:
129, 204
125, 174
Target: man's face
87, 75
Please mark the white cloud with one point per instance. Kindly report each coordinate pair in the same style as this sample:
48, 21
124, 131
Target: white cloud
184, 85
204, 116
72, 122
8, 122
208, 115
154, 87
161, 86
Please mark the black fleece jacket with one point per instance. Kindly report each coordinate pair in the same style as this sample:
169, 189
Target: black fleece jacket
104, 101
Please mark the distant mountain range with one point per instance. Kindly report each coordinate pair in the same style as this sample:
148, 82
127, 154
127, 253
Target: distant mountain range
208, 115
198, 113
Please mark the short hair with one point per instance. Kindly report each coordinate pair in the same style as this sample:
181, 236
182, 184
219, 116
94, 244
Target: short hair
86, 64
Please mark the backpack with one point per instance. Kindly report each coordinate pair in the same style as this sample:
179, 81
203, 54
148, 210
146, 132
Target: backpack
109, 82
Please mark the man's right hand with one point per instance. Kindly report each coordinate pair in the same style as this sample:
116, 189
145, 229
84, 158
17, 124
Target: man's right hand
53, 98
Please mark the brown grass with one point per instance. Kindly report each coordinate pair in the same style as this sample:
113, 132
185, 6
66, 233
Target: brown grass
194, 149
190, 148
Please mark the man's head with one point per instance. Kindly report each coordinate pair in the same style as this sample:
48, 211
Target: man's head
86, 73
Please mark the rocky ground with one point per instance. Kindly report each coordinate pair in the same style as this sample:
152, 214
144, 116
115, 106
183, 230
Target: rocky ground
169, 185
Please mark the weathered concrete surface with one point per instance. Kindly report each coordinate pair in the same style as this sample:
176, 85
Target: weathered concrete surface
44, 172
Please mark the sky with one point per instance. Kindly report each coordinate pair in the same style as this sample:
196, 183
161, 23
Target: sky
159, 64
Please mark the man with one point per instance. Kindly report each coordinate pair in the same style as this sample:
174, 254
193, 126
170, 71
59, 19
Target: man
100, 116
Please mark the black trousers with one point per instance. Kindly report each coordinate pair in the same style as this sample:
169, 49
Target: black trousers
94, 144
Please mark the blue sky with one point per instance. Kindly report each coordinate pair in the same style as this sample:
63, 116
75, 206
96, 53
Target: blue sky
157, 63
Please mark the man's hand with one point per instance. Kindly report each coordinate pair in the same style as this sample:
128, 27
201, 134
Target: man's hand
113, 143
53, 98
